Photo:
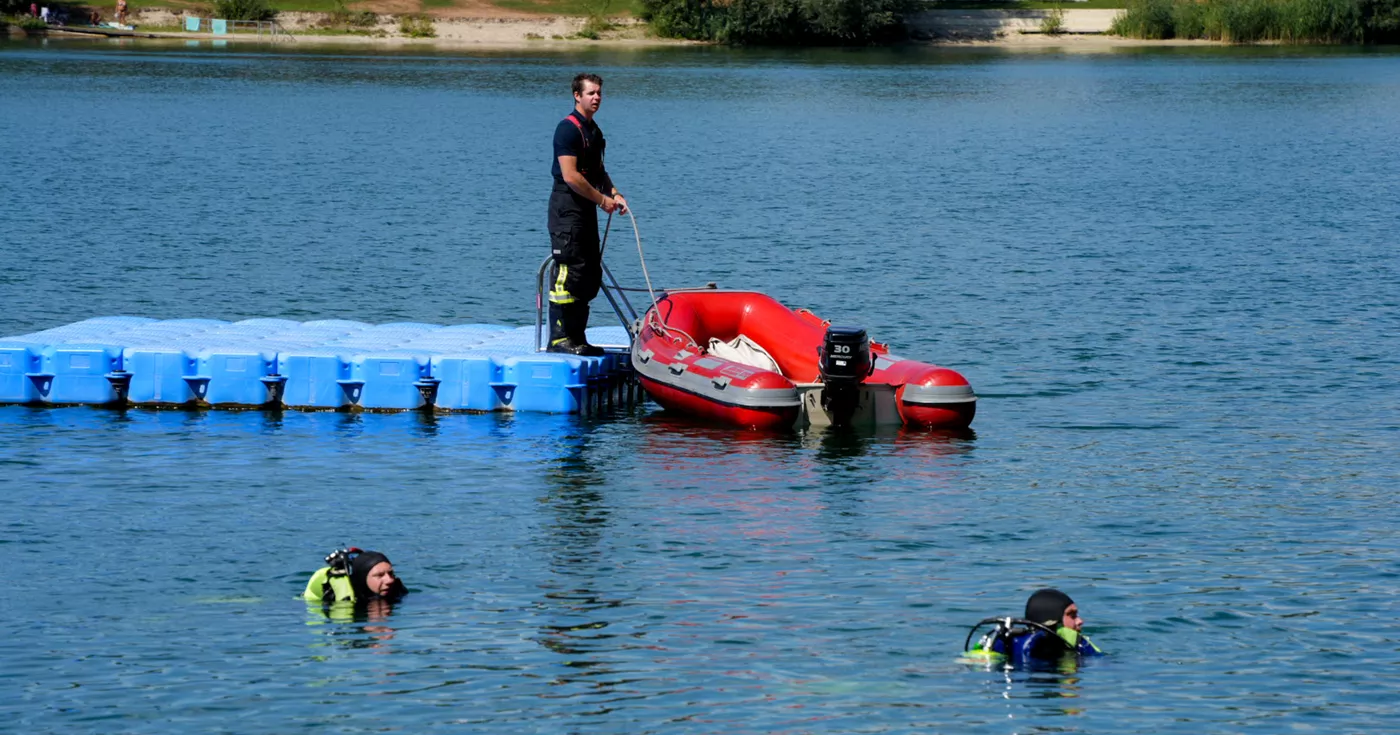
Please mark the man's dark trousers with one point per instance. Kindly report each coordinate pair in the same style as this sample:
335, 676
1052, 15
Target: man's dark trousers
577, 272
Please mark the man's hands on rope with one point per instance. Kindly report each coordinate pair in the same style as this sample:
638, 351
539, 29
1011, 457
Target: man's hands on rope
614, 203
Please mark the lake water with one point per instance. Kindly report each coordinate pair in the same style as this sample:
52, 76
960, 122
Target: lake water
1170, 274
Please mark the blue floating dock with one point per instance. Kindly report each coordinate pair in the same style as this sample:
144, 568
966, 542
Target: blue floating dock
318, 365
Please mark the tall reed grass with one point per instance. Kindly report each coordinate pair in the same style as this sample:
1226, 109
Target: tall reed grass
1053, 22
1250, 21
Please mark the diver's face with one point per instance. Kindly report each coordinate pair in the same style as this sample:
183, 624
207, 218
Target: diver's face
1072, 619
380, 578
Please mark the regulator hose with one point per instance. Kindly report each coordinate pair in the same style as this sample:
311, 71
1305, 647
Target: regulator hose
1008, 622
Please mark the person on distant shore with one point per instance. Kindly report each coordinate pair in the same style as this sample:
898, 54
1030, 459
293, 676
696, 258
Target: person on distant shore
581, 185
355, 576
1051, 630
121, 12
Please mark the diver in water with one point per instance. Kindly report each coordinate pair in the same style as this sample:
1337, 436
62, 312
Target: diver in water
1049, 632
355, 576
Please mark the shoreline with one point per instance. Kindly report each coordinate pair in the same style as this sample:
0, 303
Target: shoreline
1085, 30
492, 41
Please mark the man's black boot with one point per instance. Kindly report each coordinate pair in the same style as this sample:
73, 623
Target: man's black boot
558, 335
576, 326
564, 333
567, 347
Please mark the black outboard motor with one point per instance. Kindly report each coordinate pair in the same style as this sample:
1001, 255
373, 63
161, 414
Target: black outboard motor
845, 364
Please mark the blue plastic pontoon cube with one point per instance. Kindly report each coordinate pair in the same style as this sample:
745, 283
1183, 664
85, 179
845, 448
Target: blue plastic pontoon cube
388, 380
77, 373
469, 383
158, 375
18, 360
549, 382
315, 378
235, 375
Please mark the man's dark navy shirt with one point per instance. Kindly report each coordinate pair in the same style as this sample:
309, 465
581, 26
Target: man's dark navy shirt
569, 142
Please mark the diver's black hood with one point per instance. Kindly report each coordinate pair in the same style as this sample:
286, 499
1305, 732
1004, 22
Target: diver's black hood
359, 572
1048, 607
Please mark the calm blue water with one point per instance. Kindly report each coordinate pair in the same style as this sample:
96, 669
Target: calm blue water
1171, 276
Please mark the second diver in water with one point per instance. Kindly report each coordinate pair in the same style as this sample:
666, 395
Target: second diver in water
1050, 631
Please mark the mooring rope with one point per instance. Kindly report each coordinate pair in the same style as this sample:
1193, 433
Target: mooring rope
638, 234
654, 314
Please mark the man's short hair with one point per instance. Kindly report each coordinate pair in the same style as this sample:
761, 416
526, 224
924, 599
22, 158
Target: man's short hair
586, 77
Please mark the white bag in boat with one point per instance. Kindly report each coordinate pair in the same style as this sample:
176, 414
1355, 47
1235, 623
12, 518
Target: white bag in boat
745, 352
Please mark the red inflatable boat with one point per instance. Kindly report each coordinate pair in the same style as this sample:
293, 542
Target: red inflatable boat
741, 358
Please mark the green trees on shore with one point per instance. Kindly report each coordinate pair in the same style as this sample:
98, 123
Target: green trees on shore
778, 22
1247, 21
853, 22
244, 9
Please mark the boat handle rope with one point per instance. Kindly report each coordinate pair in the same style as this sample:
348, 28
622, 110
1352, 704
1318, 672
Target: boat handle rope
654, 321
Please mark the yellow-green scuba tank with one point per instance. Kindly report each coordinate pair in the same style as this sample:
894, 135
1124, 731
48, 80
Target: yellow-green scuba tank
331, 583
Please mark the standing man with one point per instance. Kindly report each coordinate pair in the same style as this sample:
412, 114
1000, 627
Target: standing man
581, 184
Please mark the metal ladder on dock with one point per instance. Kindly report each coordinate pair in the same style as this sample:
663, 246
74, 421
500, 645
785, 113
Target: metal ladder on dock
617, 297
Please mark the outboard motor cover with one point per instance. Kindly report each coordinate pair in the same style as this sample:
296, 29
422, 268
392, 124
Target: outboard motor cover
845, 364
845, 355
